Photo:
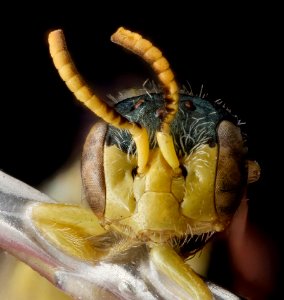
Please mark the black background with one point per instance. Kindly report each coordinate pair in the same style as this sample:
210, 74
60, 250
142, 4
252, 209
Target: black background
233, 51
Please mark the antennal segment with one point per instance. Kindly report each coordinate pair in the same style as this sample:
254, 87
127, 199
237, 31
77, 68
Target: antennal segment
77, 85
154, 57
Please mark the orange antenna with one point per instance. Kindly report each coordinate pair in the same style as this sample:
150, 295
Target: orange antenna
154, 57
77, 85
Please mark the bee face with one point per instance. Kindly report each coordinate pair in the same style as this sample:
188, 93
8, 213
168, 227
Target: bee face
163, 163
200, 197
162, 171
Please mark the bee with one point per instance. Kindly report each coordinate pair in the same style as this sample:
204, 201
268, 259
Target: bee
162, 171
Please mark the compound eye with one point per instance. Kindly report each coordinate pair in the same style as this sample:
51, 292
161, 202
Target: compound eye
92, 168
231, 169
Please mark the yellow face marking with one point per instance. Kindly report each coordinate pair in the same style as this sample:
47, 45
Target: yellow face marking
199, 197
119, 183
159, 201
